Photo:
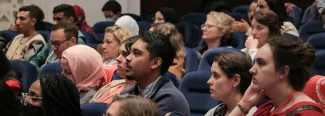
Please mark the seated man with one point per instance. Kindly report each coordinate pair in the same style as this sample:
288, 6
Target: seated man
112, 10
147, 64
28, 43
52, 51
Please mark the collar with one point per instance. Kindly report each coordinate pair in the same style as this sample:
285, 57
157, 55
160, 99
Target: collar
146, 92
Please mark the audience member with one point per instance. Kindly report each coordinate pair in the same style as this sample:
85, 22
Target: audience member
315, 89
52, 95
106, 93
129, 23
265, 24
166, 14
243, 26
177, 66
320, 4
277, 6
217, 30
81, 19
131, 105
28, 43
9, 104
8, 76
83, 65
229, 80
112, 10
63, 36
114, 37
147, 64
280, 71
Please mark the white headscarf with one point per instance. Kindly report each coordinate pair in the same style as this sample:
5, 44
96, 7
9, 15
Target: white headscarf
128, 23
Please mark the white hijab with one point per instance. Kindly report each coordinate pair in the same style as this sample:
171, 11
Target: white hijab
128, 23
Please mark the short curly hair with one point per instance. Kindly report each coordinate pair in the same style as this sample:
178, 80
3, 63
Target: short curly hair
120, 34
223, 21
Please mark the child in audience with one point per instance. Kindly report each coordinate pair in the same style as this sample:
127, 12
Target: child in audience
280, 71
229, 81
52, 95
265, 24
106, 93
166, 14
131, 105
315, 89
83, 65
177, 66
114, 37
217, 30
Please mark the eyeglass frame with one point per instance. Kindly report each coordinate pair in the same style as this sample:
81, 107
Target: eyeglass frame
25, 95
57, 45
208, 26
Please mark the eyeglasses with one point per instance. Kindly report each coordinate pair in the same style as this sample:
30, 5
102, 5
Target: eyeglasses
25, 95
207, 26
159, 18
56, 43
57, 18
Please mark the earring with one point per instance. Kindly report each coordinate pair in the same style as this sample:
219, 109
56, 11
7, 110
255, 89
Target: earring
234, 86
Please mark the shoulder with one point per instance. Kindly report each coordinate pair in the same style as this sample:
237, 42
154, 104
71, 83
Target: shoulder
211, 111
168, 93
306, 108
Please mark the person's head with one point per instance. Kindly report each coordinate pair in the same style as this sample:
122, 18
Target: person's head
276, 6
152, 54
282, 62
230, 75
129, 23
5, 65
63, 36
252, 9
265, 24
315, 89
83, 65
28, 17
9, 104
169, 29
80, 14
166, 14
114, 37
52, 95
217, 26
124, 51
131, 105
112, 10
64, 13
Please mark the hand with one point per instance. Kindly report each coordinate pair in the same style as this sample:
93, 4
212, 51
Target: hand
241, 26
251, 43
252, 96
13, 27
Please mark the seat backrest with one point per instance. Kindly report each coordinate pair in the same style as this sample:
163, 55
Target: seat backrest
8, 35
296, 14
241, 9
25, 71
306, 16
195, 18
238, 40
311, 28
101, 26
100, 37
46, 35
52, 68
208, 57
318, 67
196, 91
317, 41
93, 46
192, 60
238, 16
192, 35
143, 25
90, 38
94, 109
173, 78
44, 26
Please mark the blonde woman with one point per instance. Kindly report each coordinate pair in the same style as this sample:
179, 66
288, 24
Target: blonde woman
114, 36
216, 30
177, 66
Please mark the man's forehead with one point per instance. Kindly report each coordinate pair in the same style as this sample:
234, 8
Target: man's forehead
23, 13
140, 45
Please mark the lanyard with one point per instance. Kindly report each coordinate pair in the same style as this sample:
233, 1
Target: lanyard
283, 104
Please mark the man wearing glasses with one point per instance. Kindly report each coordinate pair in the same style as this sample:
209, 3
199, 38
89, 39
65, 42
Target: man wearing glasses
64, 35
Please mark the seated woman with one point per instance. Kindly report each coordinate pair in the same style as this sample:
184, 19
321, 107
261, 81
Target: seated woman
229, 81
265, 24
129, 23
243, 26
83, 65
280, 72
114, 36
315, 89
166, 14
177, 66
52, 95
278, 7
131, 105
217, 30
106, 93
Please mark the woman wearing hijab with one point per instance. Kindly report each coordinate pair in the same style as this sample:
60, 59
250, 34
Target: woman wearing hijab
166, 14
52, 95
129, 23
81, 19
83, 65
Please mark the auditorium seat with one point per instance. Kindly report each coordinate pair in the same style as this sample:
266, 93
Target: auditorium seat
94, 109
26, 72
306, 16
90, 38
311, 28
8, 34
241, 9
238, 40
192, 60
46, 35
317, 41
192, 35
238, 16
196, 19
143, 25
100, 27
318, 67
196, 91
296, 14
52, 68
